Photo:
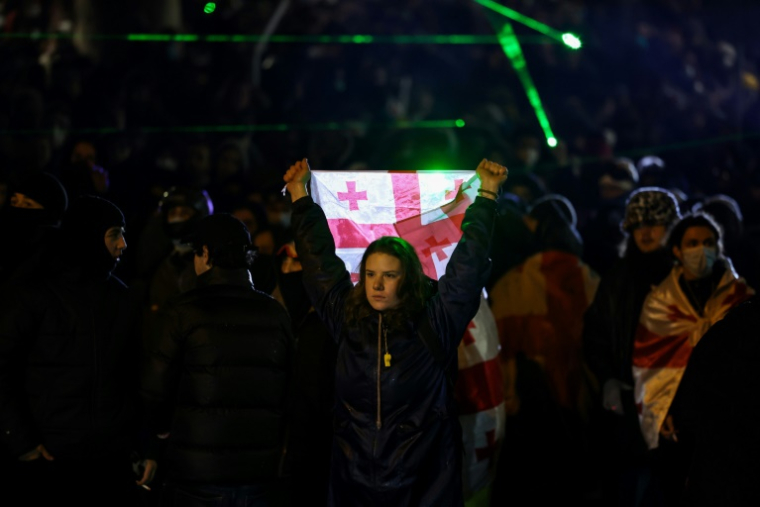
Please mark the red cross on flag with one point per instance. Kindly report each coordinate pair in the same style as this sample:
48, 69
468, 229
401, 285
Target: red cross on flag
425, 208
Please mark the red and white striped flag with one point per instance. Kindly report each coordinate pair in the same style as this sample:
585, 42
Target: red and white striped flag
425, 208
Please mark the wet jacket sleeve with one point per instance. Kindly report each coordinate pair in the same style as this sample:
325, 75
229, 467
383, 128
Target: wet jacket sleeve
459, 289
327, 281
18, 328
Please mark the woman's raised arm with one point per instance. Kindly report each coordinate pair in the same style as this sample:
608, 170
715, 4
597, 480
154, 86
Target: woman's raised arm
327, 281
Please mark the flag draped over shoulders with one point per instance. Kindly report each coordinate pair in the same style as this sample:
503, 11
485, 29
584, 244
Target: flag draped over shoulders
669, 328
539, 306
425, 208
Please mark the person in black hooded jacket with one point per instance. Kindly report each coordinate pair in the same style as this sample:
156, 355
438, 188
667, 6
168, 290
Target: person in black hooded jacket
29, 222
217, 374
68, 369
397, 438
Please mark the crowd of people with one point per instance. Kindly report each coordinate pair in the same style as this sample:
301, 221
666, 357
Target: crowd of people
130, 169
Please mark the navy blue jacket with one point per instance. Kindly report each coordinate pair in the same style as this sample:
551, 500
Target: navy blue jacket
414, 457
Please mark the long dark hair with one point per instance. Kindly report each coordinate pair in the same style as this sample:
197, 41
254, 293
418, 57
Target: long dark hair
414, 289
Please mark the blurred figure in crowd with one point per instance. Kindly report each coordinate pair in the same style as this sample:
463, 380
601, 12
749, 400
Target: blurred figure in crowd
743, 250
609, 327
538, 307
313, 390
30, 224
82, 175
165, 263
602, 234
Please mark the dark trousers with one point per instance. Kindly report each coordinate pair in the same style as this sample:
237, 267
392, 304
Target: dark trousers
271, 494
72, 482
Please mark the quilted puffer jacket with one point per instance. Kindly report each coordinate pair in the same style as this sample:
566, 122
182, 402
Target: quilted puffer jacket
216, 380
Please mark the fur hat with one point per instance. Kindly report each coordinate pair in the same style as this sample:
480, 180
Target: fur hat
650, 206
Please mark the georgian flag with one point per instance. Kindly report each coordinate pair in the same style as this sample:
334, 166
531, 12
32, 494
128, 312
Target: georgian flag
669, 329
426, 209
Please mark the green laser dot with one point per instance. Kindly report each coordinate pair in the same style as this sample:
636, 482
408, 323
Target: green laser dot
552, 141
209, 8
459, 123
571, 40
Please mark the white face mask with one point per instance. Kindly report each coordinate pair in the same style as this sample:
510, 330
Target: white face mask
700, 260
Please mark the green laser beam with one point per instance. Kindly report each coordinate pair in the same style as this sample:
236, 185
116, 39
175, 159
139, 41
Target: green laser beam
275, 127
568, 39
453, 39
513, 51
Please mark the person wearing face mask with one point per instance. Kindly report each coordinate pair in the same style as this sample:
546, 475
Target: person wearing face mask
397, 438
29, 222
164, 261
700, 289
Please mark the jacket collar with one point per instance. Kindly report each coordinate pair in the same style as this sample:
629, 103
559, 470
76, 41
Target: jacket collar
220, 276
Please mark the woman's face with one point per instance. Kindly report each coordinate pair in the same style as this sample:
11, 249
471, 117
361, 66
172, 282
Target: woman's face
382, 277
694, 237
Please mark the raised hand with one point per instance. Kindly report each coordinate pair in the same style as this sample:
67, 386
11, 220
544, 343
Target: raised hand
491, 175
296, 178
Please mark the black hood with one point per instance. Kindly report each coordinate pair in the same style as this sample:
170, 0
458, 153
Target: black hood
83, 231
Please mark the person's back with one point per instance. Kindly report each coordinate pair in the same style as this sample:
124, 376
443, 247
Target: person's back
218, 372
231, 384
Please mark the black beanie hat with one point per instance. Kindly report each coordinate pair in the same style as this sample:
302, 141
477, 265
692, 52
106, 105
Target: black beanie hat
45, 189
219, 231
